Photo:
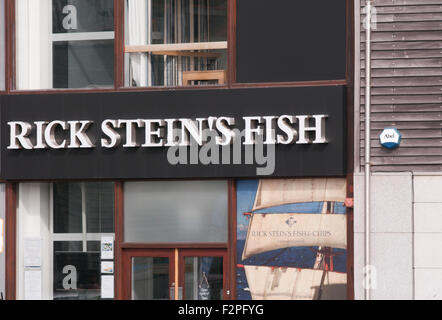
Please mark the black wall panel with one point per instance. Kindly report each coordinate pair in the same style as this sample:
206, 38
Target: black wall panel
291, 40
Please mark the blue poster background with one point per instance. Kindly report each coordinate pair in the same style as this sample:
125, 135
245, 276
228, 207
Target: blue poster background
298, 257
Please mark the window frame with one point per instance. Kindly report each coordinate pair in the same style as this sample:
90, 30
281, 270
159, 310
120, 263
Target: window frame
83, 237
177, 50
119, 56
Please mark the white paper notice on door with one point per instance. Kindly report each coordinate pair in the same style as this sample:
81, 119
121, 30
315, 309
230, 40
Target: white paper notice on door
32, 252
32, 284
107, 287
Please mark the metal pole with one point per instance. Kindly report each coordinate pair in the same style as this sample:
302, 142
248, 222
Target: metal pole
367, 145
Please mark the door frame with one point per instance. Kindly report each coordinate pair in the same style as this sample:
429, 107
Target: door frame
175, 260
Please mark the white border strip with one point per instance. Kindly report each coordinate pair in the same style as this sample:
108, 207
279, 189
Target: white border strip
83, 36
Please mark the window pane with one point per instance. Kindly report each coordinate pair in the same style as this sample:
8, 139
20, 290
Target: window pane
150, 278
93, 246
67, 208
200, 24
82, 15
175, 211
83, 64
203, 278
68, 246
64, 44
100, 207
76, 275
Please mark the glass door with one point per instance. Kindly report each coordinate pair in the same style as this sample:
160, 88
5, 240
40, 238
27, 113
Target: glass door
202, 274
149, 274
175, 274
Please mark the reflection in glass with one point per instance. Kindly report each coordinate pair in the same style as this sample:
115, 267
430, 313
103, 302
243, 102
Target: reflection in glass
82, 16
100, 207
93, 199
67, 208
76, 273
203, 278
83, 64
200, 24
64, 44
150, 278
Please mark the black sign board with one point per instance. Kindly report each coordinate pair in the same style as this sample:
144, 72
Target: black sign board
119, 162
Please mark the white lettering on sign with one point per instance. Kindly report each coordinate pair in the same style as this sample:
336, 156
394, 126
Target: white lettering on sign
318, 128
70, 20
19, 132
76, 134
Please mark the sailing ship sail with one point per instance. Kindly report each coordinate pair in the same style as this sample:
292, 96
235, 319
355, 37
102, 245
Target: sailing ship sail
273, 231
273, 193
267, 283
294, 230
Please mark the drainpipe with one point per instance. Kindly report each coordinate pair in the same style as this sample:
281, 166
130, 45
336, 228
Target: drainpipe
367, 144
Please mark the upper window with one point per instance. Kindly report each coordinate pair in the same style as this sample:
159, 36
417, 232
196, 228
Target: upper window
175, 42
64, 44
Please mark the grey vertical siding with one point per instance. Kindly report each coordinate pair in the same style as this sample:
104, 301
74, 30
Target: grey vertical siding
407, 84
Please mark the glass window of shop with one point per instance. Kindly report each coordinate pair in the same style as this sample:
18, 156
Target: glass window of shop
61, 227
175, 42
175, 212
64, 44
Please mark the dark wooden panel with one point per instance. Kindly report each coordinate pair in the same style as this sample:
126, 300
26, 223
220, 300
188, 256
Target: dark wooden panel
408, 26
415, 168
404, 99
405, 36
400, 2
405, 116
380, 125
410, 143
409, 133
405, 108
405, 45
377, 151
405, 54
405, 82
408, 9
404, 72
407, 17
405, 91
407, 160
405, 63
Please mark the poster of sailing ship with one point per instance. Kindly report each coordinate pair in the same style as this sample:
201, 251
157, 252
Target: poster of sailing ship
291, 239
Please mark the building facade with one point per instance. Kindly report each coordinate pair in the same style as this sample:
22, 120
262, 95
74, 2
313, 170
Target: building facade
405, 182
214, 149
